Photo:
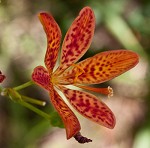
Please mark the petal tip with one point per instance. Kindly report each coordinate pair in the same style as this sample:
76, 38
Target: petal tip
112, 123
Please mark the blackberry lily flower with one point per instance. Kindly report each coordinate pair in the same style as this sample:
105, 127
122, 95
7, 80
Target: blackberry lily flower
97, 69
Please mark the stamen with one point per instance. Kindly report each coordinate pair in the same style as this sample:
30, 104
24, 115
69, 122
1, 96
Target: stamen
111, 93
69, 78
63, 80
78, 72
105, 91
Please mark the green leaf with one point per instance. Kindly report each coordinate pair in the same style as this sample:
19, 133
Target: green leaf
56, 120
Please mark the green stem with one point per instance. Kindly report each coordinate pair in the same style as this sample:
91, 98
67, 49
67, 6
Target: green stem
36, 110
33, 101
14, 95
23, 85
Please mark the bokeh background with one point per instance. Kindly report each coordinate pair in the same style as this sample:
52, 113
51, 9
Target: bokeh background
119, 24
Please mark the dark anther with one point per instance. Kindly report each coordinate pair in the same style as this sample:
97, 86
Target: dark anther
81, 139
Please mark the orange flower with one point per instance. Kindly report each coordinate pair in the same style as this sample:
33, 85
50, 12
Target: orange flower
97, 69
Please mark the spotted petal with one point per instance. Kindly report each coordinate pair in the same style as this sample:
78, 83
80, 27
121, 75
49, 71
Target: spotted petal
89, 106
53, 33
41, 77
2, 77
102, 67
70, 121
77, 39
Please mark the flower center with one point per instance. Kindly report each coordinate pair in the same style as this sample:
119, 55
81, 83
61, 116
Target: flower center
68, 77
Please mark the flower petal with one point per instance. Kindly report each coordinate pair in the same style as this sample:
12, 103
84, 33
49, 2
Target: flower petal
77, 39
41, 77
89, 106
2, 77
103, 66
70, 121
53, 33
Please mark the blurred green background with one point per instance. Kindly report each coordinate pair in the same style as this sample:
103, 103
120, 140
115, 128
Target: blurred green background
119, 24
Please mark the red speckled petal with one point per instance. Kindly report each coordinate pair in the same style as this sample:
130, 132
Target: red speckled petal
2, 77
103, 66
41, 77
53, 33
70, 121
89, 106
77, 39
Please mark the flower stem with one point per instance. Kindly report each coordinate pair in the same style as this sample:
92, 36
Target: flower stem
15, 96
34, 109
33, 101
23, 85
